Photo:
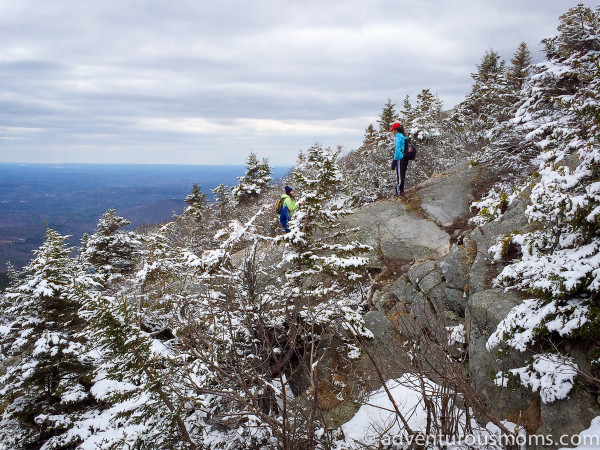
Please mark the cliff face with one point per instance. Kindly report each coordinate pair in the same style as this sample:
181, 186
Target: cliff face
436, 289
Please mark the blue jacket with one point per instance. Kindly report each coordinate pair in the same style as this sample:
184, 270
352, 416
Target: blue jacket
399, 141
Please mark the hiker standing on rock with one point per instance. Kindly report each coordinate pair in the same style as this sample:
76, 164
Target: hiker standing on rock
289, 207
400, 163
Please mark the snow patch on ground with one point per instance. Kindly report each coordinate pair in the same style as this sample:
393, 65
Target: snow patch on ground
376, 421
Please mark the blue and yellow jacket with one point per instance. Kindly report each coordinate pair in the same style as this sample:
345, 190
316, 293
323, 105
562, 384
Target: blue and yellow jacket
288, 210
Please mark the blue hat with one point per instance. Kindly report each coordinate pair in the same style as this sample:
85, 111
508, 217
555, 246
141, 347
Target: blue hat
288, 189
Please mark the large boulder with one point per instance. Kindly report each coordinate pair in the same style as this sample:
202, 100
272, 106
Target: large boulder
378, 323
396, 233
485, 311
446, 198
455, 268
483, 269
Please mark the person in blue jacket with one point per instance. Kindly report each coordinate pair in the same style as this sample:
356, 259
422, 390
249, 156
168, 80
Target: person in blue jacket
289, 207
400, 163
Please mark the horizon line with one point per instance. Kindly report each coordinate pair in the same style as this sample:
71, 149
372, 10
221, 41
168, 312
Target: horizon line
124, 164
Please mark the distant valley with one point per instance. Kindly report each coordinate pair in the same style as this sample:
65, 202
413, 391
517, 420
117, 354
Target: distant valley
70, 198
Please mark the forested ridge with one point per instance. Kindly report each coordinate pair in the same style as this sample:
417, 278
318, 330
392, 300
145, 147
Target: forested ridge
217, 330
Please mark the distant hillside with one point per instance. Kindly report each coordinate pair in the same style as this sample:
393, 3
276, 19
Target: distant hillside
157, 212
70, 198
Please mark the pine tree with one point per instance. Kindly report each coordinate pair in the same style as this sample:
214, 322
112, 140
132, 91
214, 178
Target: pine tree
507, 150
485, 106
140, 377
577, 38
323, 265
564, 97
520, 67
110, 251
265, 171
424, 122
47, 387
254, 181
192, 228
11, 274
370, 137
486, 101
387, 117
407, 109
197, 203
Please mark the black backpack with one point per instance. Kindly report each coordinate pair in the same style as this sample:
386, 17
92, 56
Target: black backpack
410, 150
279, 205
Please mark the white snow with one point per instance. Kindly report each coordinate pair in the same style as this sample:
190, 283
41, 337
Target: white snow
457, 334
376, 421
552, 375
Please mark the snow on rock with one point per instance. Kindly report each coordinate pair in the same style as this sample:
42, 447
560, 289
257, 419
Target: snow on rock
520, 327
552, 375
457, 334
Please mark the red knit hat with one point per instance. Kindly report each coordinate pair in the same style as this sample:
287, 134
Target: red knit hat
395, 125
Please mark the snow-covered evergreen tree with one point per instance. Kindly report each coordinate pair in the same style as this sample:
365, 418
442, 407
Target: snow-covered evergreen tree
11, 274
323, 266
197, 203
193, 228
423, 122
323, 190
507, 151
47, 386
388, 116
139, 376
485, 103
111, 251
485, 106
255, 180
519, 70
138, 383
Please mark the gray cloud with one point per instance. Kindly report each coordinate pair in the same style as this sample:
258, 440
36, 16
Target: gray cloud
208, 82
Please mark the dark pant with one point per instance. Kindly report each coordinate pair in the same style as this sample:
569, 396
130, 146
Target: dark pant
401, 172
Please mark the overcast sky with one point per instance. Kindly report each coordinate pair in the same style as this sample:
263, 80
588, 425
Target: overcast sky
207, 82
